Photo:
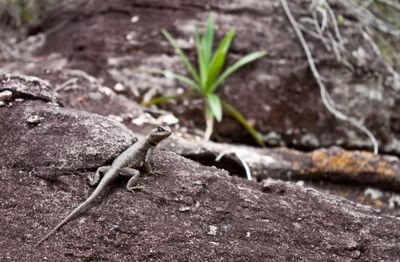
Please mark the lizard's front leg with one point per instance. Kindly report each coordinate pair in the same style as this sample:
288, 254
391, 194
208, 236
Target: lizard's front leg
94, 180
147, 161
134, 174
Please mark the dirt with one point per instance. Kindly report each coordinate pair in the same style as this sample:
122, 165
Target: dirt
277, 93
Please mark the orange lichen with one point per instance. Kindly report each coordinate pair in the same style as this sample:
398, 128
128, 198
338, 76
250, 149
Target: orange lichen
347, 162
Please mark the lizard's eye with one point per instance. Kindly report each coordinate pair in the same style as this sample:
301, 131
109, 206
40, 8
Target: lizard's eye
160, 129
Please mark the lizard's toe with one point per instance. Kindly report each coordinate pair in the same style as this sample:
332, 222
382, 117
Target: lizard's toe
135, 188
157, 172
91, 181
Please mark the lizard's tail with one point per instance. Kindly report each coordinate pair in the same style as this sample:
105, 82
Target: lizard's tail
66, 220
103, 183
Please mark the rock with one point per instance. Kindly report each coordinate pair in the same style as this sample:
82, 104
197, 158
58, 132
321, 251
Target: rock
27, 87
192, 212
60, 140
49, 140
118, 87
5, 96
79, 90
228, 219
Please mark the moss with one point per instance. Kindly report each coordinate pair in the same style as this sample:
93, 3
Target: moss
386, 50
386, 12
20, 14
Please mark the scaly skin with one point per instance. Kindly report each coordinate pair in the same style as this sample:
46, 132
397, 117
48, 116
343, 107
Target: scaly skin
126, 164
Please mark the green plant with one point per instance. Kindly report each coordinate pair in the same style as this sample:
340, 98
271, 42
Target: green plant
208, 76
21, 14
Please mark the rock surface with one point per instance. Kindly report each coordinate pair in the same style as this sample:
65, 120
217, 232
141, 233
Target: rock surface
44, 138
27, 86
47, 139
192, 212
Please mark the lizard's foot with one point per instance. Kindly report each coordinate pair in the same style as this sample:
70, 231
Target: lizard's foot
131, 186
135, 188
159, 172
94, 180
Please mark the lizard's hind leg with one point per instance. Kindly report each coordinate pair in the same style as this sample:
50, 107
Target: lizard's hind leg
134, 174
94, 180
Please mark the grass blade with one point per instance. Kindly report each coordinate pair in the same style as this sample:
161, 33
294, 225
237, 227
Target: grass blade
208, 39
214, 102
240, 118
169, 74
182, 55
163, 99
188, 82
218, 60
201, 58
226, 41
239, 63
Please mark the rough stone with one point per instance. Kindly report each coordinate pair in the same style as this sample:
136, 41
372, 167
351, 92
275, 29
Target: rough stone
27, 86
48, 140
192, 212
5, 96
224, 218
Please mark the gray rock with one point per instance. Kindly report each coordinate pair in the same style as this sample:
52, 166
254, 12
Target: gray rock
47, 140
201, 213
5, 96
27, 86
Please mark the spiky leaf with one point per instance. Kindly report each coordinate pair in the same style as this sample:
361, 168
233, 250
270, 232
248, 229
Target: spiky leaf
218, 60
182, 55
208, 39
239, 63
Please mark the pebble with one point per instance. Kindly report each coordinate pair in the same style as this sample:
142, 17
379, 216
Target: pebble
95, 96
5, 95
394, 201
273, 139
135, 19
119, 87
373, 193
33, 119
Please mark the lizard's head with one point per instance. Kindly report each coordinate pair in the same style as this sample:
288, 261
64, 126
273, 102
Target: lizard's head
158, 134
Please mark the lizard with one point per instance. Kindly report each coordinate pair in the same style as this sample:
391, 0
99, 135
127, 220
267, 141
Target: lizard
139, 154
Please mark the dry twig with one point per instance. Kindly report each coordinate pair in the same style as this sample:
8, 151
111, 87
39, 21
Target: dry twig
326, 99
